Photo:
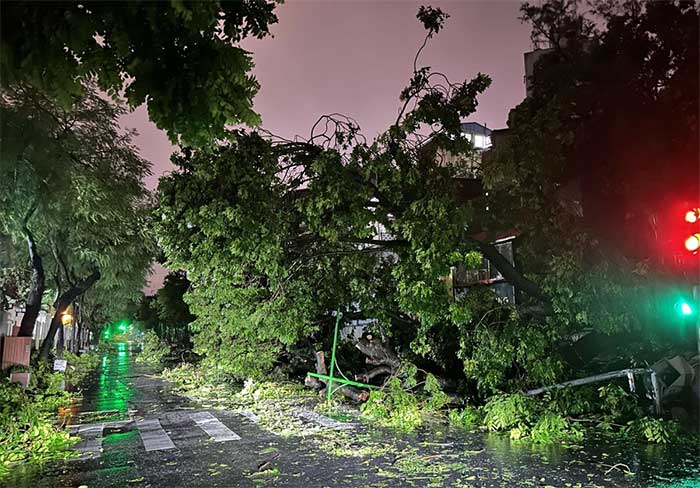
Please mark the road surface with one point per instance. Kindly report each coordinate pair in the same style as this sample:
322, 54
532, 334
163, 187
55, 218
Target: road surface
147, 436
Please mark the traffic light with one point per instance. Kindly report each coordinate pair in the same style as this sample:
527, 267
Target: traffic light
692, 235
685, 308
692, 243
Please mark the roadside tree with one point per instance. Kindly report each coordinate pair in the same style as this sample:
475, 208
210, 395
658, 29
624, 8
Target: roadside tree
181, 58
72, 189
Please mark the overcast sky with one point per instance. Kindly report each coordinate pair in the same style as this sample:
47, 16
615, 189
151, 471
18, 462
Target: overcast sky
354, 57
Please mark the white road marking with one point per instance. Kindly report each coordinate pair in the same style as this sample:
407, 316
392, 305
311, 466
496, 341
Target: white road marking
212, 426
153, 436
322, 421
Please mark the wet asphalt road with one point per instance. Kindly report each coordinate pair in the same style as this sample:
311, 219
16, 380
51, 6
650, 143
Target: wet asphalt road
151, 437
182, 453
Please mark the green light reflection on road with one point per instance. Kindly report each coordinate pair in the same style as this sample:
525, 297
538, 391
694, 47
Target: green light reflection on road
113, 392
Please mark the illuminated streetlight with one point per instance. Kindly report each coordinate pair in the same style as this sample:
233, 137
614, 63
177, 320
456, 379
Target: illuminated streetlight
66, 319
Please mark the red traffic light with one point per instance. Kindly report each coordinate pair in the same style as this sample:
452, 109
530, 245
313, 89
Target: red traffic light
692, 243
692, 237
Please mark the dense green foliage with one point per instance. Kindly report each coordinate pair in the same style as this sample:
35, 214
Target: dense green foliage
28, 432
275, 235
563, 416
612, 100
167, 314
80, 366
71, 182
153, 349
404, 404
181, 58
30, 428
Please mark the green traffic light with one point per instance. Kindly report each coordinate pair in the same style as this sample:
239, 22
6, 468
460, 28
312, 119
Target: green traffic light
684, 308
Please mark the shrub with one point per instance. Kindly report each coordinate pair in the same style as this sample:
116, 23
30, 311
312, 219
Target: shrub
652, 430
79, 366
503, 412
616, 404
467, 418
552, 427
398, 406
526, 417
28, 430
154, 349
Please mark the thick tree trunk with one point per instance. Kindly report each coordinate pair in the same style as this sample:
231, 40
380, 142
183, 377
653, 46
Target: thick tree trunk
36, 289
378, 353
61, 340
61, 304
512, 275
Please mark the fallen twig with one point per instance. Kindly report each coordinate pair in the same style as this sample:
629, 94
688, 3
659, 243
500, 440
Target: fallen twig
627, 469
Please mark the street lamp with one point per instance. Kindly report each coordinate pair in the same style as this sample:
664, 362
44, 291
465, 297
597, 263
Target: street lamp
67, 319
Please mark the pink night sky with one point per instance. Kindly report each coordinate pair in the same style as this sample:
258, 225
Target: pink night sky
354, 57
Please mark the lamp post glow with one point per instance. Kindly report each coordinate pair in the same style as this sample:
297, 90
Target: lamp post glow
66, 319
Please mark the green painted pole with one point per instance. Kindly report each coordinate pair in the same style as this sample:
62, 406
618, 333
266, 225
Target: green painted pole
329, 386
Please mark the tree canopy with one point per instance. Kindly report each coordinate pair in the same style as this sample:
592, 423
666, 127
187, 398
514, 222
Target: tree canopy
275, 235
598, 160
181, 58
72, 188
609, 132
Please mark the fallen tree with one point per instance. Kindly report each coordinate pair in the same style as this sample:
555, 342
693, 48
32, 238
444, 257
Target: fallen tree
276, 234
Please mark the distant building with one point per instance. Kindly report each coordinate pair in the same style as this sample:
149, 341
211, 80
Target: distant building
470, 166
531, 59
479, 135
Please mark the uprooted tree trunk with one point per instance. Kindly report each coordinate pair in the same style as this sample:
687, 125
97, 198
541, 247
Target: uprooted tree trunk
379, 355
60, 306
37, 286
352, 393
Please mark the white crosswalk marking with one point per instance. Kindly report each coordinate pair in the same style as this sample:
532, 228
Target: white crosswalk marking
153, 436
212, 426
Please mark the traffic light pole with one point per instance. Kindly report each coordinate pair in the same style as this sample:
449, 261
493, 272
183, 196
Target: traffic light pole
696, 299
